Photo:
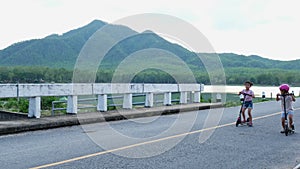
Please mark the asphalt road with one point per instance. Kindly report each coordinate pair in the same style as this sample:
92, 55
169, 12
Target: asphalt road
172, 141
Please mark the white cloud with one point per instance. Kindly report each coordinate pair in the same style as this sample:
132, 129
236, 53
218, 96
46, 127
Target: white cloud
266, 28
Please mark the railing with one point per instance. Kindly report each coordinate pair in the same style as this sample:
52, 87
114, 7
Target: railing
35, 91
111, 99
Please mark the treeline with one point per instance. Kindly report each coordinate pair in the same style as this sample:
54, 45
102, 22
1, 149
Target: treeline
233, 76
34, 75
262, 76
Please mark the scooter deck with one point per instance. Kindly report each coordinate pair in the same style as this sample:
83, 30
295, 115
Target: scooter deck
239, 122
291, 131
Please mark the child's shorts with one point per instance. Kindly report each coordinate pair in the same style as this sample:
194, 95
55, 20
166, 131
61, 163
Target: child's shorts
248, 104
288, 113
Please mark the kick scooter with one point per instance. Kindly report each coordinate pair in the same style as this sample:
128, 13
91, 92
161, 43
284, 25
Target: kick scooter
287, 130
239, 119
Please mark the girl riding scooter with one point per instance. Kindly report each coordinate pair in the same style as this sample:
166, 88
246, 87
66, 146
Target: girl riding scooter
287, 108
249, 94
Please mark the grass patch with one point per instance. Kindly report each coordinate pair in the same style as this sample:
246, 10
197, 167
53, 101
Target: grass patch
231, 99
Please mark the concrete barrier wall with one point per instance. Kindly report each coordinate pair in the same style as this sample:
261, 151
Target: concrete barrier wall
72, 90
33, 90
8, 90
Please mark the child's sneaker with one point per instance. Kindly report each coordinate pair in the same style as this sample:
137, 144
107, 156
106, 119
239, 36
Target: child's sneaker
293, 127
250, 124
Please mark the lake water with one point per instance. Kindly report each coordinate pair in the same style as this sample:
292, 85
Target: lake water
258, 90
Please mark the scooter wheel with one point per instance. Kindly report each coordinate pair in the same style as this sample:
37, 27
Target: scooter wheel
238, 121
286, 130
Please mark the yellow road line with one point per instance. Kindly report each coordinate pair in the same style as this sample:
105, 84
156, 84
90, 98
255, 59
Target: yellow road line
145, 143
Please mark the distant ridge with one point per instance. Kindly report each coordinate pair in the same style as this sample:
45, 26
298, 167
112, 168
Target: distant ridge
61, 51
254, 61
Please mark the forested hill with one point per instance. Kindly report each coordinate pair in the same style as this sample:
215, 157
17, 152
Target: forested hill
231, 60
53, 58
61, 51
56, 51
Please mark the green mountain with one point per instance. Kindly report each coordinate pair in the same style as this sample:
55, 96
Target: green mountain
60, 52
230, 60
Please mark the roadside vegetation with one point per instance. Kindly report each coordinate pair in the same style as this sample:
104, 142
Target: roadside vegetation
21, 105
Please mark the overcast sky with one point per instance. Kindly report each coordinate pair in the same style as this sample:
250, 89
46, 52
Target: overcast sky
269, 28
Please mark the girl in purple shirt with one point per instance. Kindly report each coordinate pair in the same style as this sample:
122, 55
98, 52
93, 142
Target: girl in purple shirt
248, 104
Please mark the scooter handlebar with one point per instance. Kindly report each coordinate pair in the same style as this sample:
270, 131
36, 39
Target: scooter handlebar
245, 94
288, 94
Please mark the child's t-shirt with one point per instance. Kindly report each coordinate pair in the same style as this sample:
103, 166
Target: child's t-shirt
250, 92
288, 103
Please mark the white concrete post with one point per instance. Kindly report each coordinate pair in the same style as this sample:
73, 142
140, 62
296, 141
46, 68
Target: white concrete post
149, 100
168, 99
197, 97
102, 102
183, 97
218, 97
72, 104
263, 95
127, 101
34, 109
201, 87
